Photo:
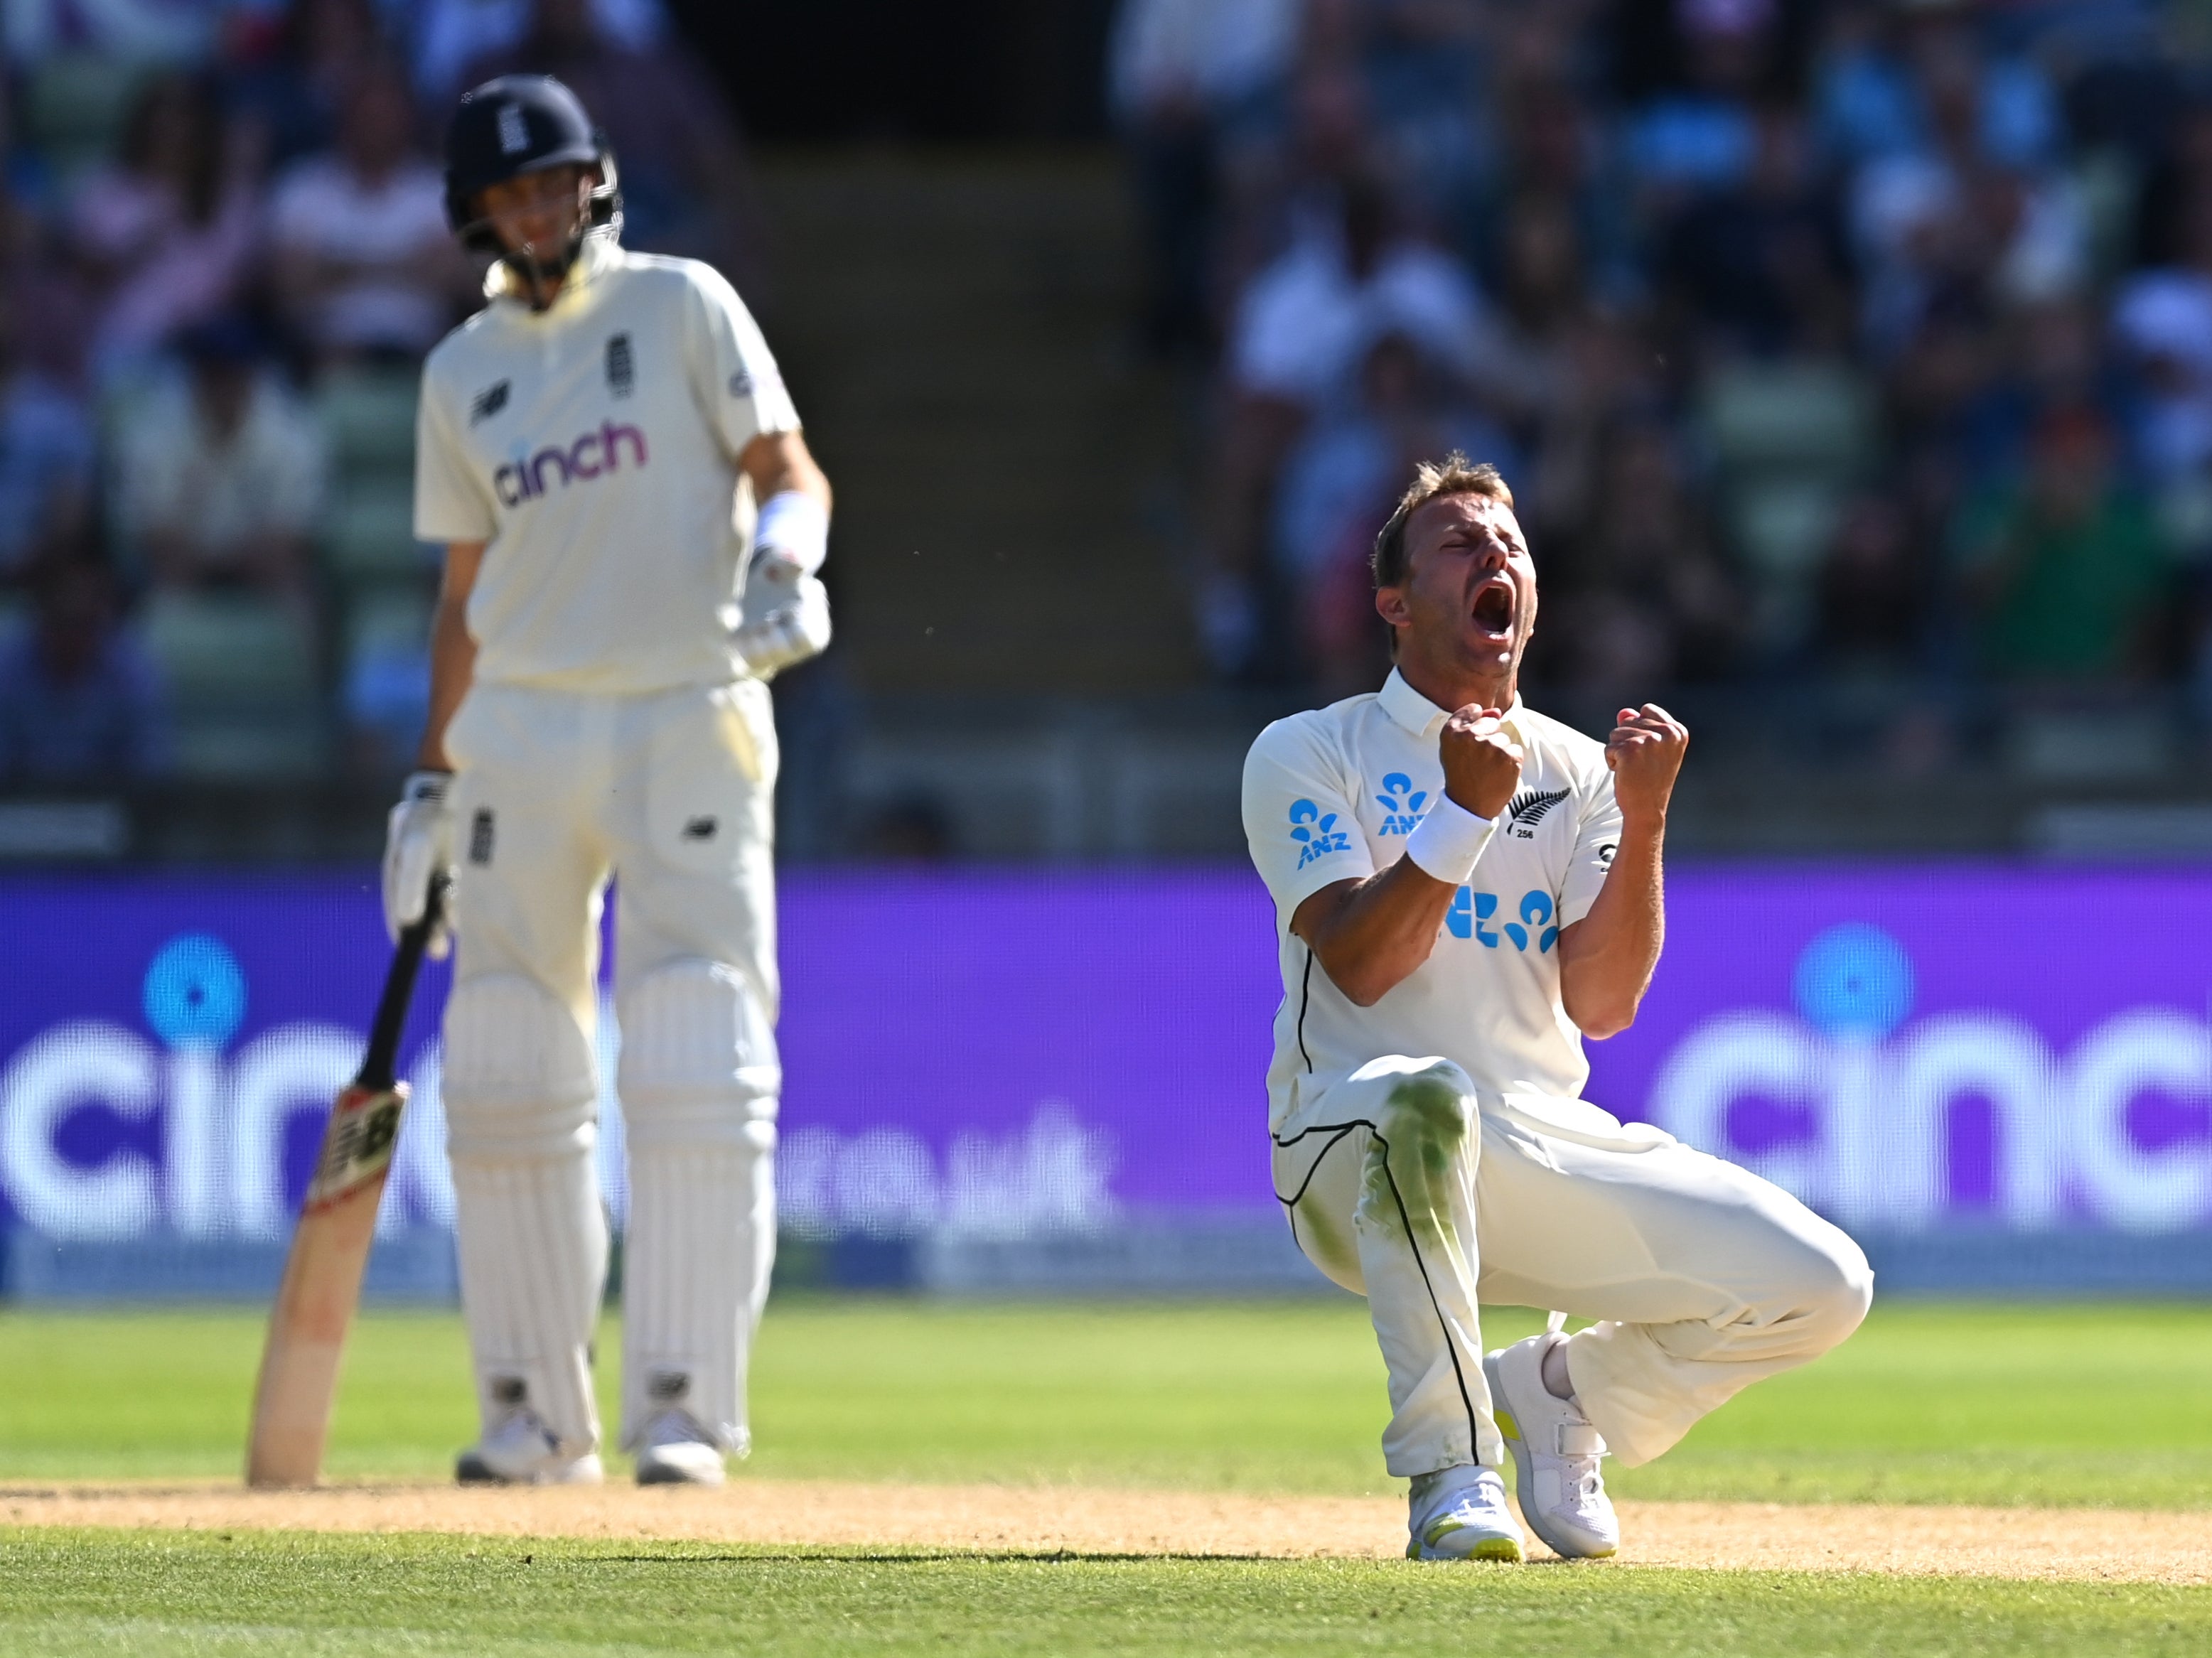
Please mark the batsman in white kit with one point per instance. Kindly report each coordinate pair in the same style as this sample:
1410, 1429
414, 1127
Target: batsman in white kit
1464, 889
590, 449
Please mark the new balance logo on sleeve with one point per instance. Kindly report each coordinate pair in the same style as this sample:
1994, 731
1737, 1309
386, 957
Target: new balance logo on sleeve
622, 368
592, 455
743, 384
489, 402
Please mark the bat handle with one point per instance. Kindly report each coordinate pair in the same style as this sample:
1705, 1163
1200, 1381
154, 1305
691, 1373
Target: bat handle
378, 1065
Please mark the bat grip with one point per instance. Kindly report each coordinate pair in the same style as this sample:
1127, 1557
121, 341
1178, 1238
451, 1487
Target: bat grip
379, 1065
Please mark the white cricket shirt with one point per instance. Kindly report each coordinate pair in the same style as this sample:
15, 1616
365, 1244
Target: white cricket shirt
1330, 795
594, 447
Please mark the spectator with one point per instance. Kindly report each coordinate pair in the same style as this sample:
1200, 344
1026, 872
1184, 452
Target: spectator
2046, 357
1762, 266
2063, 569
1876, 643
1961, 220
1698, 134
1302, 329
140, 33
1875, 602
1543, 302
1871, 94
2162, 318
2179, 177
170, 229
1644, 598
219, 479
1551, 149
1932, 389
1420, 62
45, 458
291, 80
37, 281
365, 262
687, 185
1306, 322
79, 702
1182, 76
1340, 485
450, 35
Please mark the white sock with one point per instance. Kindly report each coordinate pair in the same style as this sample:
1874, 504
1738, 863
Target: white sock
1557, 1382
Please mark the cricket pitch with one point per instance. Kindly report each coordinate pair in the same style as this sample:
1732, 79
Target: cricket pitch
2115, 1545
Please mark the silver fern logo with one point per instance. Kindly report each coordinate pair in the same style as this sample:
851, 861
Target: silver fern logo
1527, 810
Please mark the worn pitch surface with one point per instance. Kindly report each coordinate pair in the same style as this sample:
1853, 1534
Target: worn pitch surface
2092, 1544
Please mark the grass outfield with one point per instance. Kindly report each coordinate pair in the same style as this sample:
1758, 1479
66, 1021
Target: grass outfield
1928, 1404
65, 1593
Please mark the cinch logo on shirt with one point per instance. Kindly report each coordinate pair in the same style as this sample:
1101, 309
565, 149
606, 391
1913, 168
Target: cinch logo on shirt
1315, 832
1401, 803
588, 457
1470, 910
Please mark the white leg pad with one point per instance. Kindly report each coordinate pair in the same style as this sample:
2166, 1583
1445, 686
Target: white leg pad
698, 1079
520, 1104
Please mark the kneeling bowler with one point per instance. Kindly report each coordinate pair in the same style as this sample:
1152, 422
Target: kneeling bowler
1465, 888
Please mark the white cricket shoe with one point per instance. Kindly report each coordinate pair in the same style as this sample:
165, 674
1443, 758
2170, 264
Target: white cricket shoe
1555, 1453
1461, 1514
678, 1451
523, 1451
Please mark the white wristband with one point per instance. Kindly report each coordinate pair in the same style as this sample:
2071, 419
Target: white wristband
796, 526
1447, 840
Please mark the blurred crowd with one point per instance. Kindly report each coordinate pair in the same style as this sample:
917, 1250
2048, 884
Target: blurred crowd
1851, 360
224, 252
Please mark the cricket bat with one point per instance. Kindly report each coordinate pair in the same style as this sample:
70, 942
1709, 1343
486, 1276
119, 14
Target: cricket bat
330, 1248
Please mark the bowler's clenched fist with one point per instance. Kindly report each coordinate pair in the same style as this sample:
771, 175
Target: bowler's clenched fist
1645, 752
1482, 763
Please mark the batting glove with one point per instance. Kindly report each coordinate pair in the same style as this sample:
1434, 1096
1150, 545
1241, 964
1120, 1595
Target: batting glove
786, 616
418, 843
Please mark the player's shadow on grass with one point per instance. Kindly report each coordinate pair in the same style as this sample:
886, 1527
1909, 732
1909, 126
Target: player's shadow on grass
1009, 1557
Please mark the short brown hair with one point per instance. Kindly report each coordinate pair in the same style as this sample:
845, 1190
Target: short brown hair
1454, 474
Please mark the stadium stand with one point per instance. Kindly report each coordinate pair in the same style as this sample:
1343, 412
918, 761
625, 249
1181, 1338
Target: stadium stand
1835, 347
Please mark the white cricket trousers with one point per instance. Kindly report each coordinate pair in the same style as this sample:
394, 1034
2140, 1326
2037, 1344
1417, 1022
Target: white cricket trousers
670, 795
1406, 1185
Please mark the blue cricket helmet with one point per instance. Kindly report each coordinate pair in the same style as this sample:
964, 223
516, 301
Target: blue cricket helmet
515, 125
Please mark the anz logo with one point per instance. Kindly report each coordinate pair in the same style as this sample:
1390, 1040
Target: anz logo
1315, 832
1470, 911
1401, 803
592, 455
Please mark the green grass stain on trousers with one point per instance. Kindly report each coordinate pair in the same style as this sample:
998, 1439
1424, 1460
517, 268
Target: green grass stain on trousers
1412, 1161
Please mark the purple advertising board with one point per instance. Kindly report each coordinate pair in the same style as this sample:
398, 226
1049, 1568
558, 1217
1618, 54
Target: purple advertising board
1012, 1054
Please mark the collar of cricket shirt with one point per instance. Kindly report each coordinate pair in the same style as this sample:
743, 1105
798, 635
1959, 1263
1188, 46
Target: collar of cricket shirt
600, 253
1410, 709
